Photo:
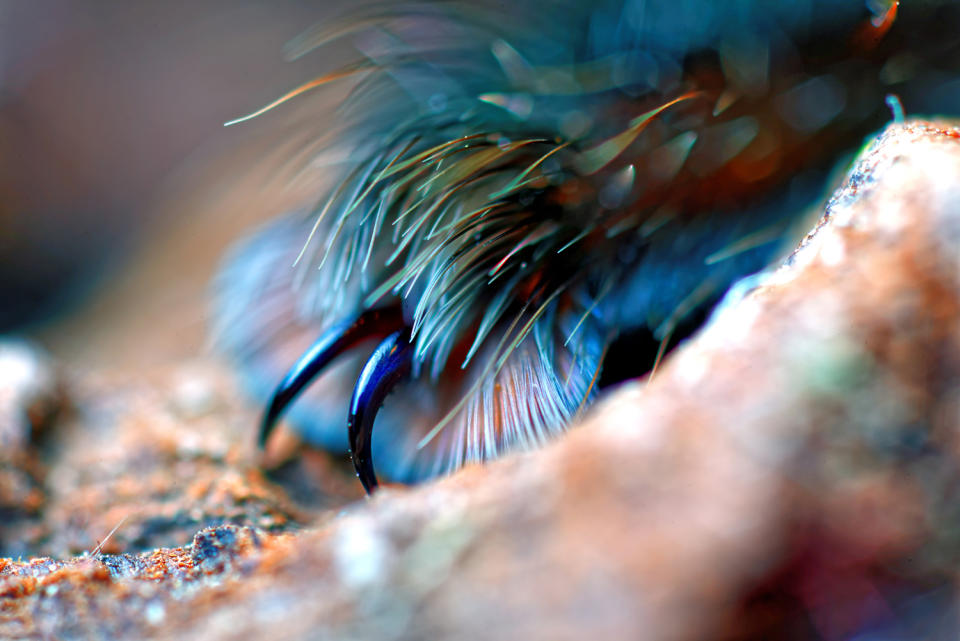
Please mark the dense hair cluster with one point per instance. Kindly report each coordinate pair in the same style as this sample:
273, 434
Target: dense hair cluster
528, 189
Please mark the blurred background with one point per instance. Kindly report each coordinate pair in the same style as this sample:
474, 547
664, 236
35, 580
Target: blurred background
117, 176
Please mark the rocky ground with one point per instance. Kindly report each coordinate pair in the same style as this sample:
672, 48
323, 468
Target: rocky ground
791, 472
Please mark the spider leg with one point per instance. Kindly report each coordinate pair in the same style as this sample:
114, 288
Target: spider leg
373, 323
388, 365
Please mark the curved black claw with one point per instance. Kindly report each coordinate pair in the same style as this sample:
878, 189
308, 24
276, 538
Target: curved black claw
388, 365
373, 323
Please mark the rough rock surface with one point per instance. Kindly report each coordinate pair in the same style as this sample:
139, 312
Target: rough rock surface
32, 397
791, 472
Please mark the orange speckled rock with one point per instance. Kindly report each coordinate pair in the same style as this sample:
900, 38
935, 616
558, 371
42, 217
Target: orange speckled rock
114, 595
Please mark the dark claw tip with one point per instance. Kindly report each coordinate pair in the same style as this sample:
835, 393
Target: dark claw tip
388, 365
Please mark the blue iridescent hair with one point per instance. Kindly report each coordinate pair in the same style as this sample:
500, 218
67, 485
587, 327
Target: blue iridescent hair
528, 188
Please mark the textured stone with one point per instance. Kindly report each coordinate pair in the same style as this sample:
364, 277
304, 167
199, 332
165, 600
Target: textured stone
32, 396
